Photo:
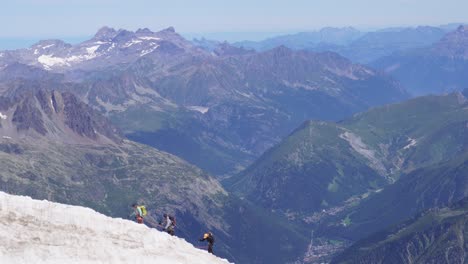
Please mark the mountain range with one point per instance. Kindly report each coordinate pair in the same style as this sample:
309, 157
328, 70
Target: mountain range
436, 68
361, 47
334, 161
349, 179
206, 107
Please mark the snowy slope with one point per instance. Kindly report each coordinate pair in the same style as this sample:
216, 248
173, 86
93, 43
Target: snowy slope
33, 231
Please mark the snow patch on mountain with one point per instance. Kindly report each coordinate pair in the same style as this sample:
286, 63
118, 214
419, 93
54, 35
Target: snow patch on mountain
147, 51
2, 116
100, 42
111, 47
46, 232
149, 38
132, 42
111, 107
49, 61
412, 142
52, 105
92, 50
47, 46
201, 109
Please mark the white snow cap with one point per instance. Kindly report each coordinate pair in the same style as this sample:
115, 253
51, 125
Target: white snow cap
33, 231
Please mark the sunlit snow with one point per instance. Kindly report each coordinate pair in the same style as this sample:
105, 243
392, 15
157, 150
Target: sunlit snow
92, 50
412, 142
200, 109
47, 46
49, 61
131, 43
33, 231
149, 38
153, 48
2, 116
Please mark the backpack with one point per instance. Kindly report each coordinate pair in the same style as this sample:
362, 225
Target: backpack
143, 210
172, 218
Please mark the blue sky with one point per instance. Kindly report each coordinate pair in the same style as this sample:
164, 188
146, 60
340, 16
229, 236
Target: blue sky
31, 19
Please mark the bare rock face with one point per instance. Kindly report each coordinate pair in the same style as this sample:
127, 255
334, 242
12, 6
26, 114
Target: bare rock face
27, 116
454, 44
82, 119
60, 115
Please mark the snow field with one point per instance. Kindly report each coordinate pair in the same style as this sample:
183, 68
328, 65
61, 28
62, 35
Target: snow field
33, 231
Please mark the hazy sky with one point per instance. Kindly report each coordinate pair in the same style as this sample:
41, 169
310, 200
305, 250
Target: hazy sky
74, 18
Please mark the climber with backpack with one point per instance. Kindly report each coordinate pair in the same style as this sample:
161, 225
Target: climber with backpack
210, 239
168, 224
139, 212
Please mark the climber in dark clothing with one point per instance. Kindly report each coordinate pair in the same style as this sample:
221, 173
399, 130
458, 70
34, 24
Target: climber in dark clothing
168, 224
210, 238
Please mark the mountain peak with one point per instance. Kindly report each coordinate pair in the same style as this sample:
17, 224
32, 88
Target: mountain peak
462, 28
465, 93
144, 31
168, 30
51, 43
225, 48
105, 32
454, 44
281, 50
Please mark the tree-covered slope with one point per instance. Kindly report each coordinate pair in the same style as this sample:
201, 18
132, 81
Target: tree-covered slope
435, 236
321, 165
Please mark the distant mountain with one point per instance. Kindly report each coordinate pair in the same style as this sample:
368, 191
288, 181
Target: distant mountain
435, 236
451, 26
361, 47
435, 69
322, 165
206, 43
107, 47
306, 40
374, 45
454, 44
217, 109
